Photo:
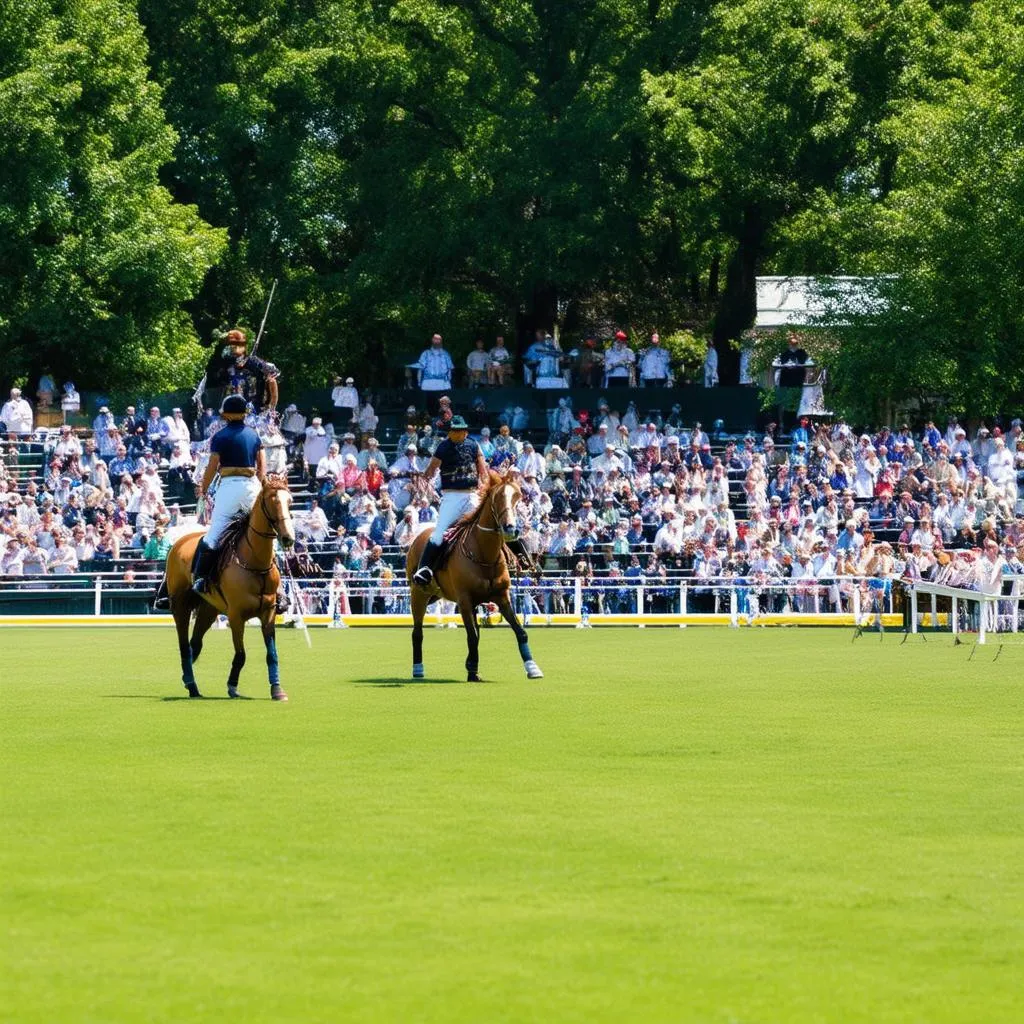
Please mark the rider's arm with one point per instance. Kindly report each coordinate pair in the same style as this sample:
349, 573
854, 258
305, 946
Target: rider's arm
261, 465
432, 467
211, 471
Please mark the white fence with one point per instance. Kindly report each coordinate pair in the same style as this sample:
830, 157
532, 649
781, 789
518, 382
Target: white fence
555, 601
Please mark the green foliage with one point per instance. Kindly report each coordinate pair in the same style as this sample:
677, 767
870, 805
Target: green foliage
97, 257
405, 166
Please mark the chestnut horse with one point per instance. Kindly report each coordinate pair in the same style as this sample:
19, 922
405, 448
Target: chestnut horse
246, 586
475, 571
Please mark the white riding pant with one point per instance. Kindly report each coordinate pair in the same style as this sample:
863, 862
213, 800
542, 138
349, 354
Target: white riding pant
454, 505
235, 495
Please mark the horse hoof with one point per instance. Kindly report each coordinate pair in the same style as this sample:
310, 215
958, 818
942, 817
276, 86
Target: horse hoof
417, 672
193, 691
472, 677
533, 670
233, 692
276, 693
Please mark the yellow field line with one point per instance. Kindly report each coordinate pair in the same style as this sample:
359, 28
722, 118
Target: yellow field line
405, 621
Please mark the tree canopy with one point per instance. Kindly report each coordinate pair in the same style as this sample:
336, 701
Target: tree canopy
476, 166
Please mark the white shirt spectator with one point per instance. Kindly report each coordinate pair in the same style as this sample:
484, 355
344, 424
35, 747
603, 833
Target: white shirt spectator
294, 422
531, 463
16, 414
367, 418
345, 396
329, 466
654, 362
618, 359
435, 366
999, 467
314, 448
177, 428
669, 538
989, 573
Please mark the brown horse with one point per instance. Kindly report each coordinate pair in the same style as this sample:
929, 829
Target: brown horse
246, 587
474, 572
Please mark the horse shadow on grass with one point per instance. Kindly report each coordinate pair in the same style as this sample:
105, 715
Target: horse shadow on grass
399, 682
167, 698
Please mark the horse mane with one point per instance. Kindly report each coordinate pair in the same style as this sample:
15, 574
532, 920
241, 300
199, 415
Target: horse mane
232, 536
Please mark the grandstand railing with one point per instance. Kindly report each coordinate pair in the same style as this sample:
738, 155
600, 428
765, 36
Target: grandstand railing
554, 601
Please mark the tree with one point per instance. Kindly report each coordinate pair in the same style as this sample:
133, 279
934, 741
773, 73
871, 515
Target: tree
97, 257
948, 327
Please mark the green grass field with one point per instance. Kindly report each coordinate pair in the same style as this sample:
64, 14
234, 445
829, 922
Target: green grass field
699, 825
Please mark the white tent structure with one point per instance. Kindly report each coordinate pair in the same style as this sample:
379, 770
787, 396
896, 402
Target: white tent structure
806, 301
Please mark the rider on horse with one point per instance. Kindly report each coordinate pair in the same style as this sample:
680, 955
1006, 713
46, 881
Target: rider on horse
234, 369
236, 453
463, 470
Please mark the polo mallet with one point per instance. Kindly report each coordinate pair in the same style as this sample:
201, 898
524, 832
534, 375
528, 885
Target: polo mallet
263, 322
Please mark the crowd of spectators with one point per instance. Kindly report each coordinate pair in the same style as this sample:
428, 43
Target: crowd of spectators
610, 497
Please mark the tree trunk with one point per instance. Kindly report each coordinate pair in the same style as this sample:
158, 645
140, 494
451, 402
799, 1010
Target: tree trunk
737, 305
540, 313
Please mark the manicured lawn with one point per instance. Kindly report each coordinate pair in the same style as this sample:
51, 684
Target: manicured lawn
678, 825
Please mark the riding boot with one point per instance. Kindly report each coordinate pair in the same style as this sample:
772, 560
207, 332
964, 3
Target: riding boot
162, 600
524, 557
428, 559
202, 565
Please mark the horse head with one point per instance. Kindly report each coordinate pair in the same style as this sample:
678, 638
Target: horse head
276, 503
504, 495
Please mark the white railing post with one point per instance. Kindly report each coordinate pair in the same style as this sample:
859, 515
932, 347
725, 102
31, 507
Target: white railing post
955, 606
734, 608
983, 607
577, 597
913, 609
935, 611
97, 607
855, 603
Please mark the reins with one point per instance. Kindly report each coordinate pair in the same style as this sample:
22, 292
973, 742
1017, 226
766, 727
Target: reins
273, 521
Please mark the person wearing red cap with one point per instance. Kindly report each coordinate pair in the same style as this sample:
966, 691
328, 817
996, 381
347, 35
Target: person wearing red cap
619, 363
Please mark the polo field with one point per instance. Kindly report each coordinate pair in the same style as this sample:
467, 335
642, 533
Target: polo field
682, 825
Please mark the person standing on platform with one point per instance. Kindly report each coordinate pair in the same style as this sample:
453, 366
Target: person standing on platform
435, 366
654, 364
16, 414
711, 366
619, 362
346, 400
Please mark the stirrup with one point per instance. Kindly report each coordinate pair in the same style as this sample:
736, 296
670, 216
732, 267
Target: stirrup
200, 585
423, 576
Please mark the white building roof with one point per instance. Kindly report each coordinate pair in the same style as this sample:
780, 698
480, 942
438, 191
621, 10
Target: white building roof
806, 301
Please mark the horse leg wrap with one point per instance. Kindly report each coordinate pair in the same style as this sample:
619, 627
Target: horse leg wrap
417, 671
524, 651
273, 667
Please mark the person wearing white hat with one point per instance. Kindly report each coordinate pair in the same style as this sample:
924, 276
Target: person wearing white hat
294, 423
103, 422
16, 414
314, 448
346, 400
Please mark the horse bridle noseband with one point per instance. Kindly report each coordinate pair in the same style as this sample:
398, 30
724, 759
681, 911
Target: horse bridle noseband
491, 497
270, 519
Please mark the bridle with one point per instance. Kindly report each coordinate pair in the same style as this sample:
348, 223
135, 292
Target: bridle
270, 519
494, 514
273, 521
